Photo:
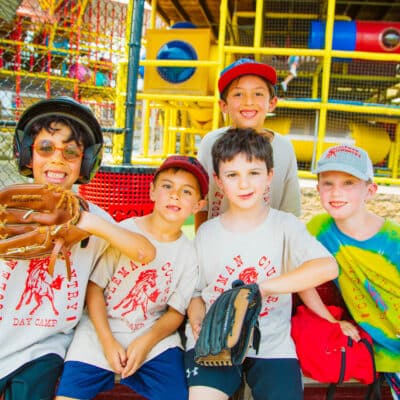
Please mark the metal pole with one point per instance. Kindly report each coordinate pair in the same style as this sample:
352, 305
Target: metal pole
133, 71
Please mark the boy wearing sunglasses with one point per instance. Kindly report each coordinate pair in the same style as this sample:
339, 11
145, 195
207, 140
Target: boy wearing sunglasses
57, 141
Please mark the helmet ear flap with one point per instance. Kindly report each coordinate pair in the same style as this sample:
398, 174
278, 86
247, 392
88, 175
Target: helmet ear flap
23, 152
90, 162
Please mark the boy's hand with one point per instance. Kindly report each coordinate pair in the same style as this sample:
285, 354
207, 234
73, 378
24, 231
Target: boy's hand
136, 352
349, 329
116, 356
195, 324
196, 313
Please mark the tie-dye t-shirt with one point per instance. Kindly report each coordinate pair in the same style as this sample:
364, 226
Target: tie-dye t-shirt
369, 280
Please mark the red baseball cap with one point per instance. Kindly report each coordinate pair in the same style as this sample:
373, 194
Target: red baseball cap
190, 164
245, 66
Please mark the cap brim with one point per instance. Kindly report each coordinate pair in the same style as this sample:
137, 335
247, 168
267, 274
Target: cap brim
262, 70
342, 168
201, 178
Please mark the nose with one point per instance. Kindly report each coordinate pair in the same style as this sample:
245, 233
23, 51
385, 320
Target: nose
174, 194
335, 190
248, 99
57, 155
243, 183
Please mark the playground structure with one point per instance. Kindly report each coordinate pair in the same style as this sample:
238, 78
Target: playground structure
344, 92
347, 87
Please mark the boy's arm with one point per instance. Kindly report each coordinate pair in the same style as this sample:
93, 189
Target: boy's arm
196, 313
132, 244
138, 349
312, 299
96, 305
308, 275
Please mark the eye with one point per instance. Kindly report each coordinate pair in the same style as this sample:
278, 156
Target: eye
166, 186
46, 147
230, 175
325, 183
72, 150
187, 192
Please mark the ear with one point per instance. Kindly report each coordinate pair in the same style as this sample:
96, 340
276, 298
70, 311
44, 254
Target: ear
151, 191
218, 181
223, 106
272, 104
199, 206
270, 176
372, 189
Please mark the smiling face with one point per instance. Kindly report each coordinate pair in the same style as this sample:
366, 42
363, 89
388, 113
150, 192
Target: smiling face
248, 101
176, 195
244, 182
343, 195
55, 169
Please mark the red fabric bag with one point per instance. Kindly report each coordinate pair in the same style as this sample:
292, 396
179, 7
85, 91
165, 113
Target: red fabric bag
326, 354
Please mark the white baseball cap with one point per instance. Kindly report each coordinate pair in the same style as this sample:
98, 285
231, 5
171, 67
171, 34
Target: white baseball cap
344, 158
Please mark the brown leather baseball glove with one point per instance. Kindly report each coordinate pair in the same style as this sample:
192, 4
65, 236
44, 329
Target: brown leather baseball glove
38, 221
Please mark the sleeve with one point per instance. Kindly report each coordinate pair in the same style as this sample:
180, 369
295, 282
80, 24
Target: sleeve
201, 275
202, 151
104, 269
291, 199
204, 156
300, 246
180, 298
96, 243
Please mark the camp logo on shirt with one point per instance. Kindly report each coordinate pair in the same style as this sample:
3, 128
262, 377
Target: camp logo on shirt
248, 274
37, 303
141, 294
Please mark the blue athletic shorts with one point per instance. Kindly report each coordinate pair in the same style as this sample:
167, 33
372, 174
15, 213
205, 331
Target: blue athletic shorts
268, 379
161, 378
36, 379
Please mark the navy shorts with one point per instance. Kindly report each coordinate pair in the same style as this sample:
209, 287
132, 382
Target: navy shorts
161, 378
268, 379
34, 380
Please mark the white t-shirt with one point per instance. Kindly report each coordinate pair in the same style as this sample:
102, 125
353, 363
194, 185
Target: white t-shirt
138, 295
38, 312
285, 189
279, 244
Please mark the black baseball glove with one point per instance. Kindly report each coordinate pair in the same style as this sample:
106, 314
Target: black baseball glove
229, 327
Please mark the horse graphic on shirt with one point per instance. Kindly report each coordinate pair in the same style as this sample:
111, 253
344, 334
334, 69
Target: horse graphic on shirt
39, 285
140, 294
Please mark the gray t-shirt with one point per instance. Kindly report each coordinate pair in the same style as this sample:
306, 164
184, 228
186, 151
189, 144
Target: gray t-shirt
279, 244
138, 295
38, 312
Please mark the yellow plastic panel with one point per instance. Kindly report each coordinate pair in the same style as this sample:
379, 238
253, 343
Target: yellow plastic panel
198, 39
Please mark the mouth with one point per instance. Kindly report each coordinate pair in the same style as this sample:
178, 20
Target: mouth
248, 113
55, 176
173, 208
337, 204
246, 196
